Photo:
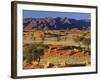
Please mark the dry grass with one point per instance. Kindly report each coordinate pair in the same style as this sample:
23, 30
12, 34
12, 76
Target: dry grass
61, 58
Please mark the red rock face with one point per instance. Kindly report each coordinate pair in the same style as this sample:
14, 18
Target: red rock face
54, 51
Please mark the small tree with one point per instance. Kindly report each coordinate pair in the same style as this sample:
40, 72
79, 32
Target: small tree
87, 42
79, 39
66, 34
28, 52
32, 53
58, 38
38, 53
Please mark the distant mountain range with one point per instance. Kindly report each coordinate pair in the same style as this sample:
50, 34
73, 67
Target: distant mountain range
57, 23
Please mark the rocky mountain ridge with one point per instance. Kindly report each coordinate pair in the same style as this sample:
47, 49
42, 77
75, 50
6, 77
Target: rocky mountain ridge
57, 23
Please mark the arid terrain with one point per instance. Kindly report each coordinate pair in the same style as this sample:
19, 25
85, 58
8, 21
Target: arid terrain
56, 48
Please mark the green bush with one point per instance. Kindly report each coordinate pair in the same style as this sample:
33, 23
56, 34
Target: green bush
32, 52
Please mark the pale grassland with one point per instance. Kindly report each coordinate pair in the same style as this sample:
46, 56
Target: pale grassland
68, 42
66, 59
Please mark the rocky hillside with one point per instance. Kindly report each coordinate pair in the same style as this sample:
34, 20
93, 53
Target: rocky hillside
58, 23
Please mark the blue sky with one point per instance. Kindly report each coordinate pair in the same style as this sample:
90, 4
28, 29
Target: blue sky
43, 14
